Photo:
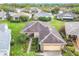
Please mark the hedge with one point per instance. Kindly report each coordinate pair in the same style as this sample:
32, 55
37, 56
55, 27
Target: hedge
20, 19
23, 18
44, 19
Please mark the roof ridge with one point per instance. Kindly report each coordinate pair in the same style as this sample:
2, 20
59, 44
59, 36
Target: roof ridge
30, 25
54, 35
59, 38
34, 24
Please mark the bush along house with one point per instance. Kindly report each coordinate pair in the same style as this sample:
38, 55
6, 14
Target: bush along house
72, 32
50, 41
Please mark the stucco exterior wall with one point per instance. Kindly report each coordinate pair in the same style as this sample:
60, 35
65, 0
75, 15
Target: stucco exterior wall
51, 47
36, 34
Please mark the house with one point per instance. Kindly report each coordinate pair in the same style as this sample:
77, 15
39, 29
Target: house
34, 10
50, 41
2, 15
17, 15
5, 38
72, 31
19, 9
42, 14
65, 15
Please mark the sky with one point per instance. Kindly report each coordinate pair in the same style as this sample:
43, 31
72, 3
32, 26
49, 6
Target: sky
39, 1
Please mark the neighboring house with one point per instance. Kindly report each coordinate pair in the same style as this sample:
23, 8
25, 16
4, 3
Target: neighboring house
72, 31
34, 10
20, 9
65, 15
2, 15
5, 38
42, 14
50, 41
17, 15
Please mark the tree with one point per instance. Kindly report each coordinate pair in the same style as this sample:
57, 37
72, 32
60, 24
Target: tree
23, 18
22, 38
55, 10
75, 10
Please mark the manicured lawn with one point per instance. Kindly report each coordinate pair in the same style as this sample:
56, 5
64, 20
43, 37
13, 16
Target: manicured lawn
17, 48
57, 23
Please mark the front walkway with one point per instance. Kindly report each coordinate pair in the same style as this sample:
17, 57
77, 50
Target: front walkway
29, 46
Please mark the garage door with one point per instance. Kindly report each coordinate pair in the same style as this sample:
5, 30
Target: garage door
52, 53
52, 48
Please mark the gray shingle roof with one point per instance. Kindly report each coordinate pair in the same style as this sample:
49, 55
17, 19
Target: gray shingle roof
34, 27
43, 14
69, 14
72, 28
44, 32
50, 38
53, 37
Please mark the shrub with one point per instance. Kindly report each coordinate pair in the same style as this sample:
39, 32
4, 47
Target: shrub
12, 42
23, 18
9, 18
76, 53
55, 10
72, 49
22, 38
15, 21
44, 18
75, 10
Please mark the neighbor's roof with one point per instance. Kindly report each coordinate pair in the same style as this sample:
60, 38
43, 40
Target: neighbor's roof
43, 14
35, 9
20, 9
66, 14
72, 28
19, 14
2, 13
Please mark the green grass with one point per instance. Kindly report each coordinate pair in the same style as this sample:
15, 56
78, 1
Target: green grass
17, 49
57, 23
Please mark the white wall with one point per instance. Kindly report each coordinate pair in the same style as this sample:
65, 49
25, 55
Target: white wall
5, 38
